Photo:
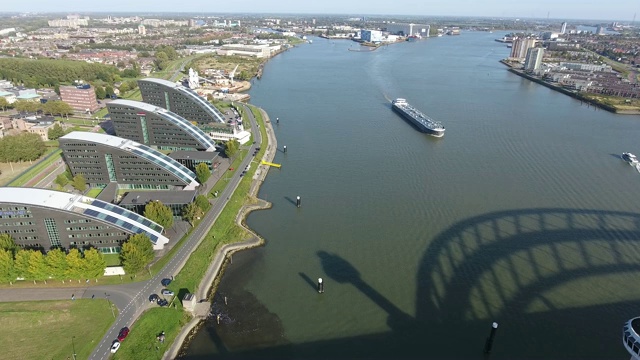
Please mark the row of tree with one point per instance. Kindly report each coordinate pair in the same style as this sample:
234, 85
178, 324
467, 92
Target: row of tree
47, 72
21, 147
56, 264
49, 108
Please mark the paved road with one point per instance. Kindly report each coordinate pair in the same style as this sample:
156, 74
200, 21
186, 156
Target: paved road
133, 299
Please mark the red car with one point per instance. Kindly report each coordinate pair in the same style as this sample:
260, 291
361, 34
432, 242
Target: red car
123, 333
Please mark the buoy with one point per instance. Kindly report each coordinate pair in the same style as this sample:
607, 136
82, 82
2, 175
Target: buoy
298, 201
320, 286
489, 344
285, 148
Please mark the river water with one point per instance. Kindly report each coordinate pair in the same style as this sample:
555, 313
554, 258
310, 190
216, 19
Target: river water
523, 213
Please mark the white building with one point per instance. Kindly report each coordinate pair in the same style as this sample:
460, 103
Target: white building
372, 36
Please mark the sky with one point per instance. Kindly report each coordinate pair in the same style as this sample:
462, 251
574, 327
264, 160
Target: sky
555, 9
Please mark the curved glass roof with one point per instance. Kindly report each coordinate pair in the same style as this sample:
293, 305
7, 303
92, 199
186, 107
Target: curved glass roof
114, 215
207, 106
171, 117
143, 151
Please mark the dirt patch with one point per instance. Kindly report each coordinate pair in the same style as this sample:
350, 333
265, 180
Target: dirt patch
8, 174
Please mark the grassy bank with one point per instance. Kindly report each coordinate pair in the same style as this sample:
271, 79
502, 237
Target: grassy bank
45, 329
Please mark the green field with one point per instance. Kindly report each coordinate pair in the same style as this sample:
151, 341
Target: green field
45, 329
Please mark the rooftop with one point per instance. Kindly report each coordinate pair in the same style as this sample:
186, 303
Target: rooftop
194, 155
165, 197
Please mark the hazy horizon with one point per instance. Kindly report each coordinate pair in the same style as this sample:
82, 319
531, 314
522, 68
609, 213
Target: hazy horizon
623, 10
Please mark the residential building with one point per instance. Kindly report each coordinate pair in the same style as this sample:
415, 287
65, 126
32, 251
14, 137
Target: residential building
142, 30
180, 100
42, 129
520, 47
533, 60
45, 219
157, 127
103, 159
81, 98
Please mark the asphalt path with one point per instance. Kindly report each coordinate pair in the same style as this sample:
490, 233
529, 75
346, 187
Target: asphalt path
132, 299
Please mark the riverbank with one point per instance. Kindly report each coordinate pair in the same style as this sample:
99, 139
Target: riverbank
573, 94
222, 257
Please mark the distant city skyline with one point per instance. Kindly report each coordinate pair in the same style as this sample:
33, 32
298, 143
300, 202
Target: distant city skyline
623, 10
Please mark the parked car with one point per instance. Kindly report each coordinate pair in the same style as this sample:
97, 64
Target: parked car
123, 333
165, 282
153, 297
115, 346
163, 302
167, 292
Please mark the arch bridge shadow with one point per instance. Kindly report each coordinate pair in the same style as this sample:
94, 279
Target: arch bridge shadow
560, 282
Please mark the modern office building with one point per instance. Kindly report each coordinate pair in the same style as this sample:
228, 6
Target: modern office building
154, 126
180, 100
82, 98
563, 30
39, 218
533, 59
520, 47
104, 159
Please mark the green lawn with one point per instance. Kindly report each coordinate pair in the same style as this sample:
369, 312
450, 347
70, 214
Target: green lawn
94, 192
45, 329
112, 259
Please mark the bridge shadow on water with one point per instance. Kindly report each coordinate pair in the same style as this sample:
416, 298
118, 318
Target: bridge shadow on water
560, 282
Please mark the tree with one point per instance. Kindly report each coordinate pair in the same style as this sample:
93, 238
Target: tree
100, 93
3, 103
124, 88
21, 263
161, 60
109, 91
26, 106
57, 263
94, 262
231, 148
61, 180
65, 109
79, 182
55, 132
37, 266
202, 202
159, 213
191, 212
76, 266
7, 271
7, 243
136, 253
203, 173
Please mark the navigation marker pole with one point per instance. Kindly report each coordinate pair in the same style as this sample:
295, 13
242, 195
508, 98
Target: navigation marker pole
277, 120
298, 203
285, 149
489, 343
320, 286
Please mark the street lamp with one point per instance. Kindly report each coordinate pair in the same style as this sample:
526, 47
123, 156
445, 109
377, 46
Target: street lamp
110, 307
73, 345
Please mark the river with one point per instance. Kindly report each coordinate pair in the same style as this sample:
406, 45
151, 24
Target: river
523, 213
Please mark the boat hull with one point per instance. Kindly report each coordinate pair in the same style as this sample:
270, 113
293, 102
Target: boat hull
417, 124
